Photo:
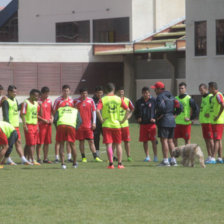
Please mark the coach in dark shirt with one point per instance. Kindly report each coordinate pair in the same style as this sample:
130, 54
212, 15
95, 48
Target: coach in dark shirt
166, 108
145, 115
98, 131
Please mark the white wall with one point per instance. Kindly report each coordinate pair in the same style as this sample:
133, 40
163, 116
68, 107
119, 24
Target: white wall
42, 28
52, 53
168, 11
203, 68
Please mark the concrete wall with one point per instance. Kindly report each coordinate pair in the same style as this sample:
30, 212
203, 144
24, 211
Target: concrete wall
168, 11
42, 28
203, 68
52, 53
37, 19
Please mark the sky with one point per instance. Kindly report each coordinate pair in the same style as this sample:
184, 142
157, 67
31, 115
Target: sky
4, 2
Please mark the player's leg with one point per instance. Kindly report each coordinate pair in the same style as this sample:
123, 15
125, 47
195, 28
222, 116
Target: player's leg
93, 150
154, 147
62, 155
19, 150
82, 150
74, 154
146, 150
38, 150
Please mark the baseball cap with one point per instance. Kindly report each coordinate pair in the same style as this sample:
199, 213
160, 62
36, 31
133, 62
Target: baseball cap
158, 85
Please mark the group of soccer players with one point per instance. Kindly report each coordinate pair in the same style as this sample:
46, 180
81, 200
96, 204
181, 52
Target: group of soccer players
85, 119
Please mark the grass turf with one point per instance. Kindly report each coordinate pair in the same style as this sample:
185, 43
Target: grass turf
141, 193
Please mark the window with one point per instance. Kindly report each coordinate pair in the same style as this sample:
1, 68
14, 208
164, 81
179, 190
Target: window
73, 32
111, 30
200, 38
220, 37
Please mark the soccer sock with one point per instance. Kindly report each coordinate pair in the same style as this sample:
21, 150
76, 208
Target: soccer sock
57, 157
83, 155
23, 159
94, 155
9, 160
165, 160
98, 153
69, 156
110, 154
213, 159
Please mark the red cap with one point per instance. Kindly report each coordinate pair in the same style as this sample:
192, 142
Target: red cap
158, 85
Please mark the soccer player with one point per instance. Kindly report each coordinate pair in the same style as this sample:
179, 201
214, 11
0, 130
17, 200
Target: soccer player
217, 121
62, 101
8, 137
67, 120
98, 130
205, 119
145, 115
125, 133
110, 106
185, 118
45, 121
10, 111
87, 110
29, 113
166, 108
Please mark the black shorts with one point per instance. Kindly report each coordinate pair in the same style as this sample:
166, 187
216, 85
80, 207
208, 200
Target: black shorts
165, 132
11, 141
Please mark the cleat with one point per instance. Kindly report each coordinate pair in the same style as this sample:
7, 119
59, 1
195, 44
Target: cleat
164, 164
75, 165
39, 161
130, 159
173, 163
1, 167
27, 163
84, 160
110, 167
120, 166
70, 160
63, 166
97, 159
11, 164
210, 162
219, 161
36, 163
47, 161
155, 159
147, 159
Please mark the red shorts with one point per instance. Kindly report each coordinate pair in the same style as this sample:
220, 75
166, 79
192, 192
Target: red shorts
65, 133
84, 133
207, 131
18, 133
217, 130
125, 134
44, 134
182, 131
147, 132
3, 138
111, 135
32, 135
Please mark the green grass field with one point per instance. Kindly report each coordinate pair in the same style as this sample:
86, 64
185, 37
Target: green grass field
141, 193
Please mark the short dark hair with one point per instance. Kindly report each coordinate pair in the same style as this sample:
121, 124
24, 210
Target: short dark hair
66, 87
109, 87
98, 88
203, 85
1, 87
11, 88
45, 89
213, 85
84, 89
121, 88
183, 84
145, 88
33, 91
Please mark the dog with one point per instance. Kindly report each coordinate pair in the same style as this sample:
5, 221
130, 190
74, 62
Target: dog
188, 153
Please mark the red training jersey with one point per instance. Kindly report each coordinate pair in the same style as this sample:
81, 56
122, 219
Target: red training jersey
45, 109
61, 102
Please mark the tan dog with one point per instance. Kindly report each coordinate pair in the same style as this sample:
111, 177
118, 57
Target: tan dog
188, 153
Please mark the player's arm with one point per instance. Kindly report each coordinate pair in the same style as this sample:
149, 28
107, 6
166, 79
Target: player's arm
98, 109
221, 102
194, 109
78, 121
93, 116
131, 108
125, 107
22, 115
5, 111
